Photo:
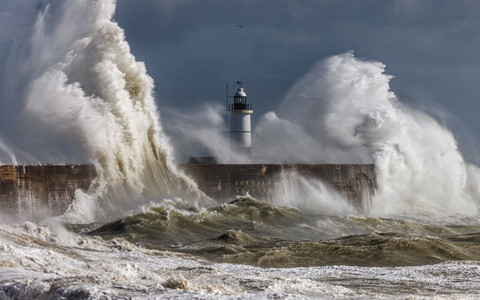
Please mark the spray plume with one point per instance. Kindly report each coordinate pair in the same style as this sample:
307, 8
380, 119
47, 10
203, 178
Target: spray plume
202, 130
85, 87
6, 154
88, 88
345, 113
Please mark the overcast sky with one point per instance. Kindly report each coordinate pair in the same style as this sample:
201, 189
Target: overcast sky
193, 48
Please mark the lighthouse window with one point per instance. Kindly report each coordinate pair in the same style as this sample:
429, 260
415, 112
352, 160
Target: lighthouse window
240, 100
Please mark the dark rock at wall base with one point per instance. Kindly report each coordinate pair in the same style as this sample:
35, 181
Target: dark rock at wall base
32, 188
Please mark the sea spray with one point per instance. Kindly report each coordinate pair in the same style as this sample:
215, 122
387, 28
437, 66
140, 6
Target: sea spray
125, 259
7, 156
202, 130
345, 113
310, 195
89, 89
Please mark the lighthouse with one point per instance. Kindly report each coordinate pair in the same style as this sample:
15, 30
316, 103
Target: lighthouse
239, 118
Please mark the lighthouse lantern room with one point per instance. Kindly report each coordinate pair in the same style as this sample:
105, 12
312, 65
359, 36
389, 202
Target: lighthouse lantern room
239, 118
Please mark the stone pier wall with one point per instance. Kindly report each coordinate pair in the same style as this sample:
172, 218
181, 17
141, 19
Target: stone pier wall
51, 188
356, 183
33, 189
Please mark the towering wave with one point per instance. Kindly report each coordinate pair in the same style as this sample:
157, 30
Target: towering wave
85, 87
344, 112
88, 88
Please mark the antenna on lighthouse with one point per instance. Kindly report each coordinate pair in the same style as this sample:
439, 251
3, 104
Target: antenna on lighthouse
226, 102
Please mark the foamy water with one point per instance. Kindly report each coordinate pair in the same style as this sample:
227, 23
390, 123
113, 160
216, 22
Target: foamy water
346, 113
48, 261
91, 90
143, 230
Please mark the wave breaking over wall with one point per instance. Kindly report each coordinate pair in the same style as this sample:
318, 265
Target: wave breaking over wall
345, 112
86, 90
85, 98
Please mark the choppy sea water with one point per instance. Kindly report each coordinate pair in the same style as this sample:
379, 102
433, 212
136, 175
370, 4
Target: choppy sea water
83, 92
246, 249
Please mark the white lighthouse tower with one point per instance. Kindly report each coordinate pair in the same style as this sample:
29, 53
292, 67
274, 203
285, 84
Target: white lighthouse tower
239, 118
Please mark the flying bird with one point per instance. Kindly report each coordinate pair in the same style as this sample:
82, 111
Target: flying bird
238, 25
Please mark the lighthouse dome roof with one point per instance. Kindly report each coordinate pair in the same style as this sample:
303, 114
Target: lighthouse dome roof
240, 93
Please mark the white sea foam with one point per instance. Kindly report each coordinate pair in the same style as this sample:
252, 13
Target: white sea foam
345, 113
42, 262
309, 195
88, 88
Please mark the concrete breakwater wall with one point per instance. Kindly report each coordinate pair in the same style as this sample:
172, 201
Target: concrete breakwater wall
34, 188
357, 183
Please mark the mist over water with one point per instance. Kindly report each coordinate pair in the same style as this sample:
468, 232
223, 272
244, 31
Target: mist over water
343, 111
201, 131
6, 154
310, 195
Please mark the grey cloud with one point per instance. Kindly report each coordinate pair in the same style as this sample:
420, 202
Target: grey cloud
192, 48
194, 43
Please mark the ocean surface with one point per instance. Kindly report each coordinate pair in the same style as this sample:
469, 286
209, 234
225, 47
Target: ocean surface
143, 230
245, 249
